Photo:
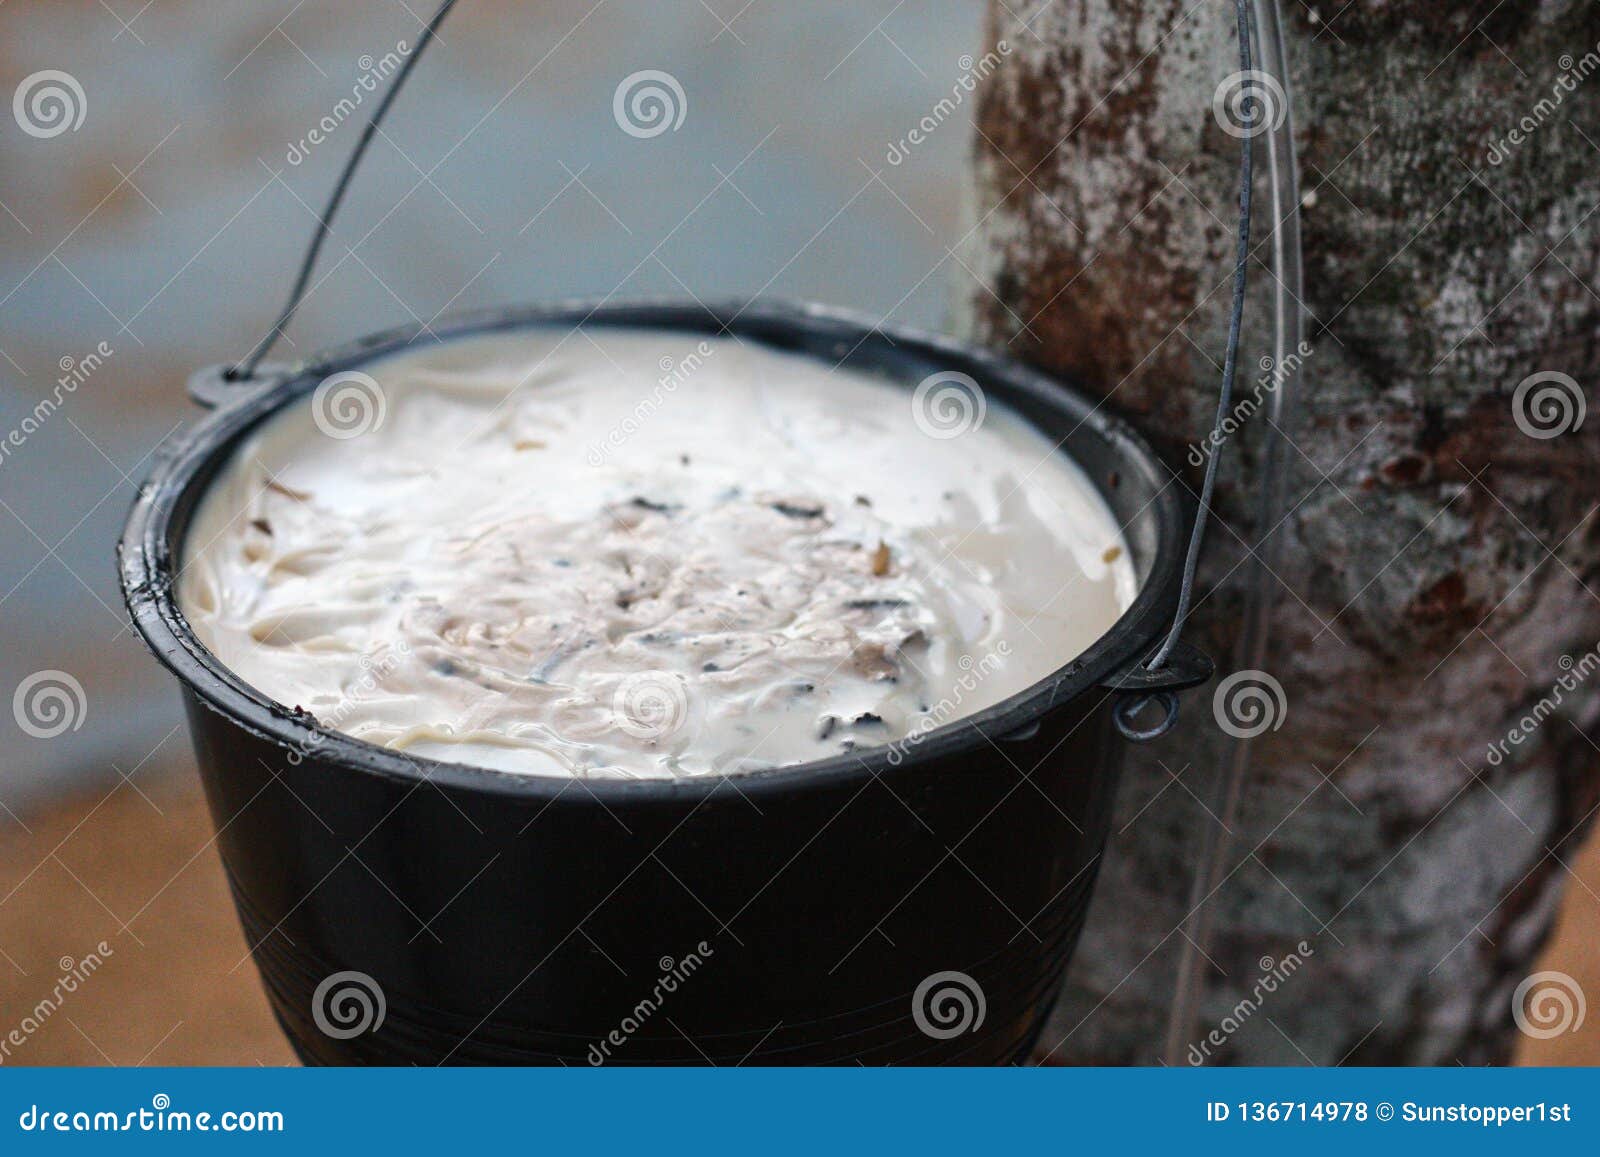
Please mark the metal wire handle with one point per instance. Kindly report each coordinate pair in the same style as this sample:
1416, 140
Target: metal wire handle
1288, 335
247, 367
1128, 709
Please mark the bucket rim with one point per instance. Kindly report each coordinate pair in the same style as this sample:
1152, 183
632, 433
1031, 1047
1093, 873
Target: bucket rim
181, 470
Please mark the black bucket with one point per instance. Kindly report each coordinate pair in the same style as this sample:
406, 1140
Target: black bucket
910, 905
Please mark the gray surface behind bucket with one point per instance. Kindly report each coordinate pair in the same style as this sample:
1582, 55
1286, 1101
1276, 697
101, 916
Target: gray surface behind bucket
158, 227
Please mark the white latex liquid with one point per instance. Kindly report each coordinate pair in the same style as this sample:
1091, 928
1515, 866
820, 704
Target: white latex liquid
639, 553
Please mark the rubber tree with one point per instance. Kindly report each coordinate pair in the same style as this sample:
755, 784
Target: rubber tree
1414, 797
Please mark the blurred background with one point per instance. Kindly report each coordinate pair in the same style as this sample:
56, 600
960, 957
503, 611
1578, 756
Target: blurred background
150, 223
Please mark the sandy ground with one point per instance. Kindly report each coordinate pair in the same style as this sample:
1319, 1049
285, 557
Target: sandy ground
136, 868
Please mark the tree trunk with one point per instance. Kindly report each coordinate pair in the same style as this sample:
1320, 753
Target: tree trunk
1436, 614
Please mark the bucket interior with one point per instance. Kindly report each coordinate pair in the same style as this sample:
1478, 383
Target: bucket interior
1137, 489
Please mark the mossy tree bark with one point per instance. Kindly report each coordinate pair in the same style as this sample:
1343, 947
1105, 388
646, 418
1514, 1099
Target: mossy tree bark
1436, 615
